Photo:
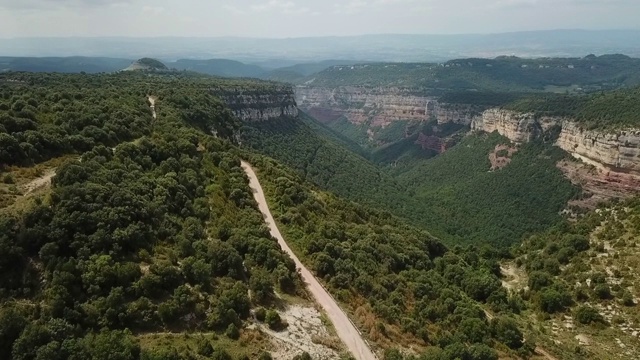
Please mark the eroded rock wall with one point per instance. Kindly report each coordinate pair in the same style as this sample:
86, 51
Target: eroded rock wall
377, 107
614, 155
261, 105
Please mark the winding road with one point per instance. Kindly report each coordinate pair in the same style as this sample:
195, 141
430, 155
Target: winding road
345, 329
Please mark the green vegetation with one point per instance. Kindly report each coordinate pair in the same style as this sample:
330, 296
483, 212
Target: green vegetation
605, 110
325, 163
463, 202
454, 195
152, 64
156, 235
584, 273
401, 285
503, 74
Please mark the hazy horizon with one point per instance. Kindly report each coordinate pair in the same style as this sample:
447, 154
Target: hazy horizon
321, 36
281, 19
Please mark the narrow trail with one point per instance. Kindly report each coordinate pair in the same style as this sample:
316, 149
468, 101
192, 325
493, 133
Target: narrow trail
345, 329
152, 101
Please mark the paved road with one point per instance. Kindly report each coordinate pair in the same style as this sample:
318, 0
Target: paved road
345, 329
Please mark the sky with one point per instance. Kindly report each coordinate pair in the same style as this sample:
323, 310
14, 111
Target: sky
301, 18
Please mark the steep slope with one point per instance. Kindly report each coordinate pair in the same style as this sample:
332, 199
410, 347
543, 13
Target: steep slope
600, 131
159, 235
581, 283
141, 239
345, 329
325, 163
402, 287
468, 199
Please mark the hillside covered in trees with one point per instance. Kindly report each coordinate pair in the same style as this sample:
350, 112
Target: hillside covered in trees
402, 286
159, 234
151, 230
502, 74
456, 195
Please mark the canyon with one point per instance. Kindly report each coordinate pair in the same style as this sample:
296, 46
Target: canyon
607, 161
378, 107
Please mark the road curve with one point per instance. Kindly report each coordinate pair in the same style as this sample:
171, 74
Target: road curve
347, 332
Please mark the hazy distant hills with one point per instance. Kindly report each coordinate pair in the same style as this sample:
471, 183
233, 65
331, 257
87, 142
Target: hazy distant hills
557, 43
216, 67
72, 64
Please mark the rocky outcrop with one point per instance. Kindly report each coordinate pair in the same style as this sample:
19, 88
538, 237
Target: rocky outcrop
377, 107
613, 155
517, 127
615, 150
260, 105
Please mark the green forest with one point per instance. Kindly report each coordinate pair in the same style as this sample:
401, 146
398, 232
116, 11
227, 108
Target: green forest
402, 285
604, 110
502, 74
150, 230
155, 235
454, 195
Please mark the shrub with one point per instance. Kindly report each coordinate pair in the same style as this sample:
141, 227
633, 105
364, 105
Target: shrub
261, 313
587, 315
603, 291
272, 318
8, 179
304, 356
232, 332
627, 299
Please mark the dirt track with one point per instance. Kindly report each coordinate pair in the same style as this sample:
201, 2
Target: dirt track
39, 182
344, 328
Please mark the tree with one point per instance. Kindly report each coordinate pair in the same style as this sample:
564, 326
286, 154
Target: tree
261, 286
273, 320
539, 280
506, 330
232, 332
553, 300
11, 325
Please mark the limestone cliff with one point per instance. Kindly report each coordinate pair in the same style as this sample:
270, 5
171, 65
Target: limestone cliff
614, 155
517, 127
260, 105
378, 107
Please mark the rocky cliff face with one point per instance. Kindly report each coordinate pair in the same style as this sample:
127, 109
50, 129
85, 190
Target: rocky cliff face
614, 155
377, 107
260, 105
517, 127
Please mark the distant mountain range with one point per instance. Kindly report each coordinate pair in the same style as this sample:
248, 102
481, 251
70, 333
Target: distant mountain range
216, 67
276, 53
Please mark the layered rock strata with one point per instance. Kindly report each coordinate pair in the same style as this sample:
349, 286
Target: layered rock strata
260, 105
